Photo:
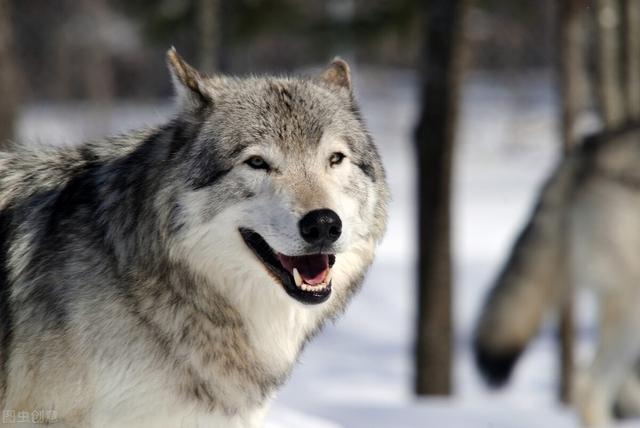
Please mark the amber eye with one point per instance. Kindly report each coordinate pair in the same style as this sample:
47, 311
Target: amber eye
256, 162
336, 158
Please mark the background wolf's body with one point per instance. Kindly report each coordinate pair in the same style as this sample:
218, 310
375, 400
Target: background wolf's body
127, 296
584, 231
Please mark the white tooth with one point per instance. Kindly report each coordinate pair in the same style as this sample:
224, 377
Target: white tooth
297, 278
327, 279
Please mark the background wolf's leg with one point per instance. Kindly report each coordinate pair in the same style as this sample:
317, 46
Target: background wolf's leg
627, 404
618, 350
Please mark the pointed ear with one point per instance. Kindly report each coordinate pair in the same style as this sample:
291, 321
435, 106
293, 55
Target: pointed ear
338, 74
188, 82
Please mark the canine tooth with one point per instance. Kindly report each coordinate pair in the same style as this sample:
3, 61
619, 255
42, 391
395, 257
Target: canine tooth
327, 279
298, 278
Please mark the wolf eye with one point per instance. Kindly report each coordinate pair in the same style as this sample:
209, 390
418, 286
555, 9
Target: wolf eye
256, 162
336, 158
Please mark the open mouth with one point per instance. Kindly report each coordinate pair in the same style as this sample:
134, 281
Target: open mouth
305, 278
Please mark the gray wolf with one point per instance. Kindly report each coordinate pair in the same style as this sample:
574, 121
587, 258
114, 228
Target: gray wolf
170, 277
583, 232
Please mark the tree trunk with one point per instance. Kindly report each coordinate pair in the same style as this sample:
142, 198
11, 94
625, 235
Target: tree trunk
442, 63
208, 33
99, 79
570, 72
632, 58
8, 76
608, 62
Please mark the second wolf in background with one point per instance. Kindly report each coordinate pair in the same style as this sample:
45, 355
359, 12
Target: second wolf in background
584, 230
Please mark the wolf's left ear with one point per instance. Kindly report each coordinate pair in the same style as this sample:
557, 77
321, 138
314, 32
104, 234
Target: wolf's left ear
188, 82
338, 74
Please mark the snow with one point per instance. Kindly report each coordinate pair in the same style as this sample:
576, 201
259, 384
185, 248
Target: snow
358, 372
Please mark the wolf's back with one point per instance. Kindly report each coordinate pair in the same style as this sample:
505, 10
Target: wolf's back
28, 170
529, 283
25, 171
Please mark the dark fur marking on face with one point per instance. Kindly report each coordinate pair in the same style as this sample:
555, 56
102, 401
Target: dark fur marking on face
284, 98
6, 322
208, 164
287, 99
367, 169
365, 155
237, 150
200, 183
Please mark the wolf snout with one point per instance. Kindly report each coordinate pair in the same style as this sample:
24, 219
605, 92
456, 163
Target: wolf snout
320, 227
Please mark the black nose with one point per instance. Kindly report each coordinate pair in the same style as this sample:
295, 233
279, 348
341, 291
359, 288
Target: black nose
320, 227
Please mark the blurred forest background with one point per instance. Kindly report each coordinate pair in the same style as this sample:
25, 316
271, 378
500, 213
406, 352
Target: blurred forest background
96, 49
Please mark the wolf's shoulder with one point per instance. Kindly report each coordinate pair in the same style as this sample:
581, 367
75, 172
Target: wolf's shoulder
29, 169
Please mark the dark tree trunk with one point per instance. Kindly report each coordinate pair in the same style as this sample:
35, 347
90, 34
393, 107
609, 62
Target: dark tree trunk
215, 25
99, 79
8, 76
632, 58
442, 63
209, 34
570, 72
608, 62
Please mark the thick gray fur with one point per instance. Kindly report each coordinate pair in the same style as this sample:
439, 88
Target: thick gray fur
101, 316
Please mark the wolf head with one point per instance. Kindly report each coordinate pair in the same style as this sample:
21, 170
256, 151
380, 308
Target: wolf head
283, 193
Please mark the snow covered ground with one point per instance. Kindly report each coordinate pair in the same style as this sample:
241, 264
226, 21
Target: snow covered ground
358, 372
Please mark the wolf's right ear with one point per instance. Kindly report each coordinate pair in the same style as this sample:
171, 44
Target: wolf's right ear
337, 74
189, 84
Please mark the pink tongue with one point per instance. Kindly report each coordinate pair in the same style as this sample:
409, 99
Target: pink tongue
313, 269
